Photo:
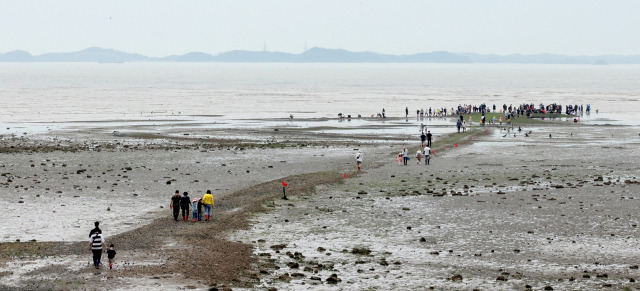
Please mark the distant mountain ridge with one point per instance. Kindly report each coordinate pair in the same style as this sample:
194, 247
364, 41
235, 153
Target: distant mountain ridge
315, 55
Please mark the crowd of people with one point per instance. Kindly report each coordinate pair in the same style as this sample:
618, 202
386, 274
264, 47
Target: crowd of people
507, 114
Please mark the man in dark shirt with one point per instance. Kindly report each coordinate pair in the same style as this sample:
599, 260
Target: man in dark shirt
429, 135
96, 229
185, 202
175, 204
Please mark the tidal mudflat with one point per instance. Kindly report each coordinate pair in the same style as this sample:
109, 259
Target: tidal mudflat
556, 208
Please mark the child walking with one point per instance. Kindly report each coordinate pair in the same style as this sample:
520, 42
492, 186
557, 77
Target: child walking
111, 254
194, 209
200, 209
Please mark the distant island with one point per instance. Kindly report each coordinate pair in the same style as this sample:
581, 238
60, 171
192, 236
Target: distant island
315, 55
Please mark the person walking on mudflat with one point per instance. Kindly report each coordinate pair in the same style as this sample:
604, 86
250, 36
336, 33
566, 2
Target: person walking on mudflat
96, 229
194, 209
200, 209
96, 242
185, 202
427, 155
207, 200
359, 159
429, 136
423, 138
175, 205
405, 156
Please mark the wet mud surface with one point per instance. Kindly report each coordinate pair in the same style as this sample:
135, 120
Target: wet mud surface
495, 213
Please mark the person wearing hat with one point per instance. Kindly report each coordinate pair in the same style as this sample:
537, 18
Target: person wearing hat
207, 200
185, 202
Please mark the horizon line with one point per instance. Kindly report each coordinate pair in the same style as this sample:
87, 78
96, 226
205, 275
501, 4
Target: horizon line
317, 47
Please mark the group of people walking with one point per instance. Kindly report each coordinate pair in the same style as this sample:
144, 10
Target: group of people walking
198, 206
420, 155
96, 244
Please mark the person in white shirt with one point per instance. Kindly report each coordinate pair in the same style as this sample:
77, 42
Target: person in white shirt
359, 159
427, 155
405, 156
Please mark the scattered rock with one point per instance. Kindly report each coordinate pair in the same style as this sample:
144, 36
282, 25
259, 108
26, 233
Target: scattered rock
361, 251
278, 247
456, 278
285, 277
333, 279
362, 192
501, 278
293, 265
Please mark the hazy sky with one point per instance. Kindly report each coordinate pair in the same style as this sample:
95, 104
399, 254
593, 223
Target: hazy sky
160, 27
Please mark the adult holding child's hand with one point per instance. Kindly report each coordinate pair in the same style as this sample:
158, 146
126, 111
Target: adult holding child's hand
96, 242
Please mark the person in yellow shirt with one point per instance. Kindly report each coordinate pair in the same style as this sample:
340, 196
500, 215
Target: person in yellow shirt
207, 200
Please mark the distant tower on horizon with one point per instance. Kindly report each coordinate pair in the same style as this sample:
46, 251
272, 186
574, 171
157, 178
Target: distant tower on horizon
264, 48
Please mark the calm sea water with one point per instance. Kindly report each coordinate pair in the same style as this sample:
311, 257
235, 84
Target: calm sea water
59, 92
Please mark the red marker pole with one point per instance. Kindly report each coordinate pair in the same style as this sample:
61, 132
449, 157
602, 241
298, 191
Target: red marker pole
284, 192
